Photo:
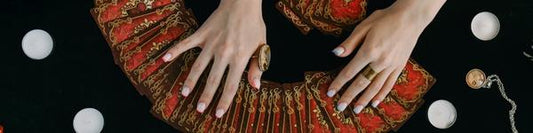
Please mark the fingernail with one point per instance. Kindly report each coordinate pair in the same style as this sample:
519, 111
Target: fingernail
375, 103
219, 113
257, 83
201, 107
331, 93
167, 57
185, 91
341, 106
358, 109
338, 51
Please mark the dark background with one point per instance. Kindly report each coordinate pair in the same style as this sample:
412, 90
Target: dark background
44, 95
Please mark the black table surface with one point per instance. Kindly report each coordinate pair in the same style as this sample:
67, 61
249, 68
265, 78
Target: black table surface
44, 95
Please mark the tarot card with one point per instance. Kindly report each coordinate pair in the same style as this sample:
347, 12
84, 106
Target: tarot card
293, 17
123, 28
370, 122
341, 13
393, 113
412, 84
114, 9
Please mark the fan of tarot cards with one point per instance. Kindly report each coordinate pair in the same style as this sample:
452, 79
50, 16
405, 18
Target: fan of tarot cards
140, 31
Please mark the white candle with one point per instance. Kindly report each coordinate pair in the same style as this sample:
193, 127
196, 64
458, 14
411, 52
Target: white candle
88, 120
442, 114
37, 44
485, 26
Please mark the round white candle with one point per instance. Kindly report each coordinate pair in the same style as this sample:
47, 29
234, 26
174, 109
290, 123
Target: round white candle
485, 26
88, 120
442, 114
37, 44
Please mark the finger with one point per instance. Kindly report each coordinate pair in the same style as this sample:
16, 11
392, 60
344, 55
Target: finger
230, 88
254, 73
387, 87
213, 81
371, 90
358, 85
354, 40
356, 65
196, 70
180, 47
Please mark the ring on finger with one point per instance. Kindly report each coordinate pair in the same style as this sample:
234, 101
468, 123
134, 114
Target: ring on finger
368, 72
263, 56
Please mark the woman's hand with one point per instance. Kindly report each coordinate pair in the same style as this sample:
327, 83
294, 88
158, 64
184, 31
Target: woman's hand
388, 37
229, 37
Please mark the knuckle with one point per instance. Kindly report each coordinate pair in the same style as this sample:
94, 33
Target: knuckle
189, 82
196, 67
384, 62
175, 48
362, 100
371, 53
347, 97
224, 51
223, 104
212, 79
360, 84
205, 99
240, 60
346, 75
231, 88
335, 86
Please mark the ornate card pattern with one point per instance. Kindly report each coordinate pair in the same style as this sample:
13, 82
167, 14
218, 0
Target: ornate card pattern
140, 31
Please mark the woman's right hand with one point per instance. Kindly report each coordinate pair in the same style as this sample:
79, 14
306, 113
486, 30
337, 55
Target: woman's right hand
229, 37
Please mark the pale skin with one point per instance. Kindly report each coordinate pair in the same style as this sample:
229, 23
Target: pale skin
234, 31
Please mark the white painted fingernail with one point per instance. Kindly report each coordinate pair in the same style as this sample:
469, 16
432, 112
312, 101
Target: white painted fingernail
358, 109
201, 107
338, 51
257, 83
219, 113
331, 93
375, 103
167, 57
185, 91
341, 106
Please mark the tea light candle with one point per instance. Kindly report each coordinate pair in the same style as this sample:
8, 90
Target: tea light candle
485, 26
88, 120
442, 114
37, 44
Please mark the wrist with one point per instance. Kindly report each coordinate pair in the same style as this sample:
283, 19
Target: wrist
245, 4
240, 8
419, 11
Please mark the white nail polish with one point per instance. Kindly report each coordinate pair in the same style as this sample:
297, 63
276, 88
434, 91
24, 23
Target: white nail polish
185, 91
375, 103
330, 93
167, 57
219, 113
338, 51
200, 107
358, 109
341, 106
257, 83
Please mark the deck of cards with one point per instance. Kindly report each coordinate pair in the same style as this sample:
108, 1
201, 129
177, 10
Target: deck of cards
327, 16
140, 31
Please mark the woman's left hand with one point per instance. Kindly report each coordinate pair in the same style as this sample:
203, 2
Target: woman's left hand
388, 37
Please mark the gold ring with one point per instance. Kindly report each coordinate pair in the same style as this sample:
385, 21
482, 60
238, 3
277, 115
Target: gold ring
368, 72
263, 56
